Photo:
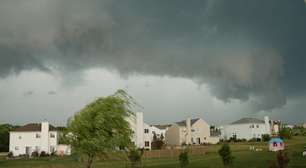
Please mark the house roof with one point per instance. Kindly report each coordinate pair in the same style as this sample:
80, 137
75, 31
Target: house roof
248, 121
183, 123
33, 127
162, 126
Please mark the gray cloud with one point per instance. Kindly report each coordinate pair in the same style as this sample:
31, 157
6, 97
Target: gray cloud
246, 50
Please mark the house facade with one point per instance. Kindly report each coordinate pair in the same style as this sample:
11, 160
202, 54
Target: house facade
141, 131
247, 128
33, 137
190, 131
159, 131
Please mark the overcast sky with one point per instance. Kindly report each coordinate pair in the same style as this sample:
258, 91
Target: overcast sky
216, 59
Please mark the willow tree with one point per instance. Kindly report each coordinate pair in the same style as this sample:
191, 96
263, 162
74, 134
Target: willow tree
101, 127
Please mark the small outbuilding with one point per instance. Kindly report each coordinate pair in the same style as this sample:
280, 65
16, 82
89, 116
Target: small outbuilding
276, 144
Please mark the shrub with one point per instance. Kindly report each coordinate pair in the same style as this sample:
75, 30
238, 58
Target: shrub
285, 133
157, 144
43, 154
35, 154
135, 157
226, 154
265, 137
184, 158
10, 155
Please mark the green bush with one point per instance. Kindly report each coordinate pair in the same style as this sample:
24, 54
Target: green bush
226, 154
265, 137
135, 157
184, 158
285, 133
35, 154
10, 155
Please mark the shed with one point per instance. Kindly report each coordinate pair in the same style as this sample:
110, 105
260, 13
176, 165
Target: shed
276, 144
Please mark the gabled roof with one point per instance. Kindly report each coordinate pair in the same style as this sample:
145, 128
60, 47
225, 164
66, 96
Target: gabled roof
32, 127
248, 121
162, 126
183, 123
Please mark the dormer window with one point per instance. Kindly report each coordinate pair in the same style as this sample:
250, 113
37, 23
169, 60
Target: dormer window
38, 135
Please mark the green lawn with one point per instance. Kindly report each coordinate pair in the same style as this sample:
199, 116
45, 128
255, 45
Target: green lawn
243, 158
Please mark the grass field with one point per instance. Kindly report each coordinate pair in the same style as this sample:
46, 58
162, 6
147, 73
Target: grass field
244, 158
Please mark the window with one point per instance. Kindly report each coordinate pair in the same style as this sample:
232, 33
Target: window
204, 138
257, 126
147, 143
274, 144
38, 135
19, 137
16, 148
192, 130
52, 135
146, 131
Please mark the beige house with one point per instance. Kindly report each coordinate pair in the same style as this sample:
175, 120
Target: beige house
190, 131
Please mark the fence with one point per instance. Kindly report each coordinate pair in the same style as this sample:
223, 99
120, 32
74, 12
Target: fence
174, 153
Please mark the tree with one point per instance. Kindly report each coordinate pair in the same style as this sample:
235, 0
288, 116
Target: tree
265, 137
282, 160
4, 137
101, 126
285, 133
184, 158
226, 154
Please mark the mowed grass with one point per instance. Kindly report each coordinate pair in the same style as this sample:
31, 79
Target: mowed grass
244, 158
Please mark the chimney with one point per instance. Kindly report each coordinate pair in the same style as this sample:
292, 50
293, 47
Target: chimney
45, 136
267, 125
188, 130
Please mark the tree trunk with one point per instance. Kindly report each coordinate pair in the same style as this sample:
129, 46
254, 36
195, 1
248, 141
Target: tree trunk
89, 161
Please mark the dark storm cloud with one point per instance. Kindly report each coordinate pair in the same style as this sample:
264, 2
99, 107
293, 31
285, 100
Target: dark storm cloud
247, 50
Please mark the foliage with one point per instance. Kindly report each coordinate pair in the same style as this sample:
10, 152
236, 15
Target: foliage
285, 133
35, 154
282, 160
10, 155
226, 154
43, 154
135, 156
184, 158
265, 137
4, 137
102, 126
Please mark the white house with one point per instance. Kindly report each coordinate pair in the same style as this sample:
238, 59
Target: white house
33, 137
190, 131
247, 128
159, 130
141, 131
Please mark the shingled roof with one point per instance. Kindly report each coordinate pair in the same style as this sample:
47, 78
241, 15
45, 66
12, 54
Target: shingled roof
162, 126
248, 121
32, 127
183, 123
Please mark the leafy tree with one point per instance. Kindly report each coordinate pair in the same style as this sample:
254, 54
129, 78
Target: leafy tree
4, 137
282, 160
184, 158
285, 133
226, 154
101, 127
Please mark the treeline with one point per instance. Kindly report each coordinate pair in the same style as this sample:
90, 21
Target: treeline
5, 136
